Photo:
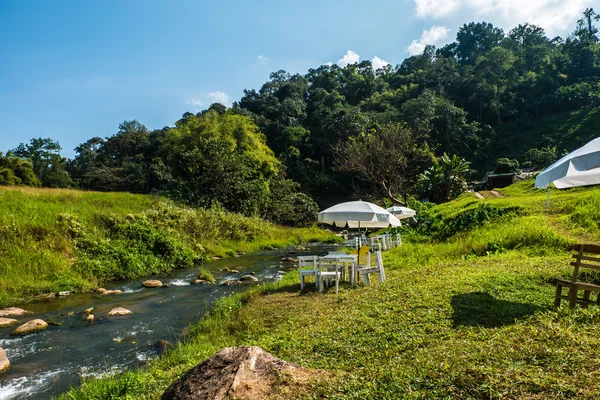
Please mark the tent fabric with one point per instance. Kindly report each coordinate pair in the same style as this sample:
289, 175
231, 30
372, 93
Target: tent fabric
579, 168
358, 213
401, 212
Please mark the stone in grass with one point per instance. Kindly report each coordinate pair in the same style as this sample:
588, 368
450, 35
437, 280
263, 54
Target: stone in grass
119, 311
35, 325
14, 312
152, 283
6, 322
4, 363
242, 373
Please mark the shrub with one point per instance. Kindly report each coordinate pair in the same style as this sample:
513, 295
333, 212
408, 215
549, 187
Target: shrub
506, 166
433, 226
205, 274
296, 209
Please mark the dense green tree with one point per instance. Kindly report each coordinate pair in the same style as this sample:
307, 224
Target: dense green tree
219, 158
48, 164
475, 39
15, 171
441, 124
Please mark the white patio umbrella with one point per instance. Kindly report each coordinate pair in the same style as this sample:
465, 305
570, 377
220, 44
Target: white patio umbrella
358, 214
402, 212
578, 168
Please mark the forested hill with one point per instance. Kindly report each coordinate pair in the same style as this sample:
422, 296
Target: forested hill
465, 98
418, 129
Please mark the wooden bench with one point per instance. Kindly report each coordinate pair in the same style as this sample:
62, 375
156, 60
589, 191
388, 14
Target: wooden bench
586, 256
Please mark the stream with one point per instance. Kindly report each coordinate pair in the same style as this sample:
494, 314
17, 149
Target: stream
47, 363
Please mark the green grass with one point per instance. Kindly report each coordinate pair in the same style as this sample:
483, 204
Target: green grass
469, 317
53, 240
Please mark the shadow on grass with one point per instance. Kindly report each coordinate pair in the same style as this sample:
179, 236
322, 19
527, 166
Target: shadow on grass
483, 309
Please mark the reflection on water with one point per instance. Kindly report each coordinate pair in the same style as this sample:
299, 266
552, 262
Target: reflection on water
46, 363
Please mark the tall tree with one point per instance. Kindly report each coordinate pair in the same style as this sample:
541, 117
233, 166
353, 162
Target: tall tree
48, 164
382, 160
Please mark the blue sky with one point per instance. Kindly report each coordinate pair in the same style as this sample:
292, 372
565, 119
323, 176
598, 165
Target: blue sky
72, 70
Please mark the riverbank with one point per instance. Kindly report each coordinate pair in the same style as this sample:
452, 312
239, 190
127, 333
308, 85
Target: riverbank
54, 240
467, 316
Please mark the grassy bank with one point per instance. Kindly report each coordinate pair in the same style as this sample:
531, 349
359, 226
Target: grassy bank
53, 240
454, 320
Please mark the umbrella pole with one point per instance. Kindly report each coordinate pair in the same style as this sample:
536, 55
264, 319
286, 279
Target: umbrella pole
548, 198
359, 246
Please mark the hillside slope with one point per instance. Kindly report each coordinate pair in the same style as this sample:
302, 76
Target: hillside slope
465, 313
566, 131
53, 240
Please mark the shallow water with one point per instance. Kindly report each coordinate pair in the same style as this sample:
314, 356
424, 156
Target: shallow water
46, 363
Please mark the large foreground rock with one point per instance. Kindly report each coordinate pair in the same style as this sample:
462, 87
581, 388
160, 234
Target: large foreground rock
241, 373
152, 283
119, 311
34, 325
4, 363
14, 312
5, 322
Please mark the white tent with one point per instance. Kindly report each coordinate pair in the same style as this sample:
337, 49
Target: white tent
578, 168
358, 214
402, 212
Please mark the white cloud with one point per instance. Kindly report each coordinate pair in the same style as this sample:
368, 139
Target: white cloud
436, 35
329, 64
557, 17
195, 103
262, 59
219, 97
350, 58
377, 63
436, 8
207, 99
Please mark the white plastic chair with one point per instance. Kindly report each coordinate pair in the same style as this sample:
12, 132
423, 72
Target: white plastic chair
331, 262
306, 261
365, 272
327, 271
345, 260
